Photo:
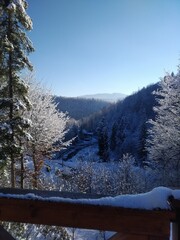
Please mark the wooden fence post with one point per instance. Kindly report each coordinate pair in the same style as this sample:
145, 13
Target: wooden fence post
174, 231
175, 225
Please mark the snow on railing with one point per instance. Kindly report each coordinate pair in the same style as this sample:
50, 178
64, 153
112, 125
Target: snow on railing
146, 214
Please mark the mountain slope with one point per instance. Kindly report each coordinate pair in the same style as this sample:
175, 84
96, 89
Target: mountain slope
126, 123
79, 108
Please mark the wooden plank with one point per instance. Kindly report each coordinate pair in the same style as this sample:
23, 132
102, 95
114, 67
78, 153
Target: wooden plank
120, 236
157, 238
87, 216
4, 235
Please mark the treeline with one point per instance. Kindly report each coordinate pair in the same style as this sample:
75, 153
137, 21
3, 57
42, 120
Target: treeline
122, 128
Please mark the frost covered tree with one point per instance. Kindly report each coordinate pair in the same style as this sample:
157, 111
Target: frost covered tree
126, 178
39, 232
82, 177
48, 126
14, 48
164, 136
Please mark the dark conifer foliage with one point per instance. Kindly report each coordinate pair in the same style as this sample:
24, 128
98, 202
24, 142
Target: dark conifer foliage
126, 124
131, 116
103, 141
14, 48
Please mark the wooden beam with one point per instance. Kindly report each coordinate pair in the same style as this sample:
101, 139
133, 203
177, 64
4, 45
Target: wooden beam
121, 236
70, 214
4, 235
126, 236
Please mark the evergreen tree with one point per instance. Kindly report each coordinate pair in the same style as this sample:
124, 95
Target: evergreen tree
141, 145
164, 136
113, 140
103, 143
14, 48
121, 136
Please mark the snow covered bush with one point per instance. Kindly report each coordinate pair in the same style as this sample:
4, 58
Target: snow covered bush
126, 176
81, 178
22, 231
112, 178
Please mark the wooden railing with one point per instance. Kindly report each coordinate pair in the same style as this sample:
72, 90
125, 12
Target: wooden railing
15, 206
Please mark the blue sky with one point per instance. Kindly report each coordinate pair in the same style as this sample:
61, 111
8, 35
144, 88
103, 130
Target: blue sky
103, 46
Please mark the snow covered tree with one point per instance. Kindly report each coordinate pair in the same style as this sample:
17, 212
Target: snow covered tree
164, 136
102, 183
34, 231
48, 126
125, 176
14, 48
82, 177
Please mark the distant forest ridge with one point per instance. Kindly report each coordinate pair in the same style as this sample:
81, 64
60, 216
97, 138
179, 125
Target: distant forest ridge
79, 108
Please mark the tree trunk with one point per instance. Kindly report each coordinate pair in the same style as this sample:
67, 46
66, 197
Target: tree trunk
22, 171
10, 84
35, 175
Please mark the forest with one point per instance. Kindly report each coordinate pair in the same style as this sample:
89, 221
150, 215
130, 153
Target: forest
79, 145
79, 108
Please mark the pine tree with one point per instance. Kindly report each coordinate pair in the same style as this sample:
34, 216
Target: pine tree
141, 145
103, 143
121, 136
163, 144
15, 46
113, 140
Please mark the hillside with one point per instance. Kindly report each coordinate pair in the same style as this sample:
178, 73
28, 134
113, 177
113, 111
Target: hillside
125, 124
79, 108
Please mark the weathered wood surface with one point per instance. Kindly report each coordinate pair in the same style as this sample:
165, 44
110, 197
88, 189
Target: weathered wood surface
78, 215
121, 236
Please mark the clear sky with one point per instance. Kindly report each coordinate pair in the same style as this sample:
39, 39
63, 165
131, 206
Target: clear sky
103, 46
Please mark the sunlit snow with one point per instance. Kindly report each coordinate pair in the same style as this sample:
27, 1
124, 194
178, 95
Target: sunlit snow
155, 199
